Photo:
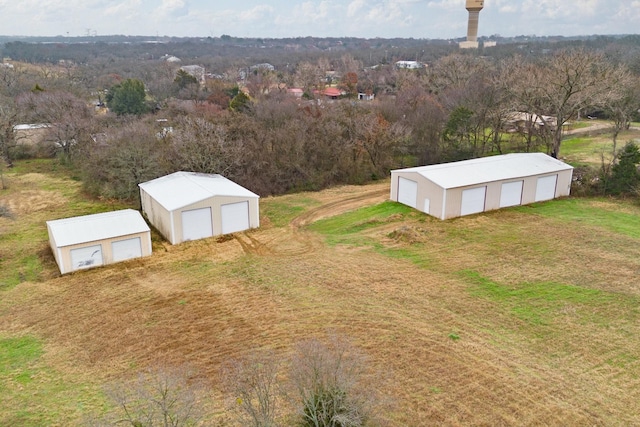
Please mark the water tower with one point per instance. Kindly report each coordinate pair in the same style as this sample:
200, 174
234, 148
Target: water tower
474, 7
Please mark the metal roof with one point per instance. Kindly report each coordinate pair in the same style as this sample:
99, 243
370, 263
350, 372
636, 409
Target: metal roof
90, 228
489, 169
28, 126
185, 188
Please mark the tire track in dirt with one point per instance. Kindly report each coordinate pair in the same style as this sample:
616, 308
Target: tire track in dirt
298, 242
252, 245
339, 207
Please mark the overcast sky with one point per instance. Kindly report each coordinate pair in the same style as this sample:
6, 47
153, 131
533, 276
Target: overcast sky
428, 19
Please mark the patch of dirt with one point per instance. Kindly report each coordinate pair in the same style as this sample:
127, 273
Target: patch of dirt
343, 203
408, 234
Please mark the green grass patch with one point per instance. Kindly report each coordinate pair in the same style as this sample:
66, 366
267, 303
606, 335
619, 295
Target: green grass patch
282, 210
17, 353
415, 254
589, 150
362, 219
589, 212
33, 395
25, 269
540, 304
580, 125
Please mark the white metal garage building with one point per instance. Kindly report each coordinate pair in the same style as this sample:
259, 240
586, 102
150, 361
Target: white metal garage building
94, 240
462, 188
189, 206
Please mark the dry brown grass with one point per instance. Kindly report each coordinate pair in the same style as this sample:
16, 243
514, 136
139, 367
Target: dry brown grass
208, 301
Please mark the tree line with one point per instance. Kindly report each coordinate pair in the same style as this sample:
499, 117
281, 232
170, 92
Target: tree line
245, 125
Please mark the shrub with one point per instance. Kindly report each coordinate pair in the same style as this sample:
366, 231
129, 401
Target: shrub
328, 381
624, 177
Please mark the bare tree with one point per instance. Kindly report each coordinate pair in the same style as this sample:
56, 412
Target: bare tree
131, 153
308, 77
8, 118
166, 397
200, 145
557, 89
69, 118
328, 381
252, 384
621, 108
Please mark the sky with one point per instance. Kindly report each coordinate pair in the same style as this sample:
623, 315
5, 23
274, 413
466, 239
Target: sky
420, 19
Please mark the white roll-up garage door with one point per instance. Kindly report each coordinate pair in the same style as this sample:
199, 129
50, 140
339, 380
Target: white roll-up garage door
407, 192
197, 224
511, 194
126, 249
87, 257
473, 200
235, 217
546, 188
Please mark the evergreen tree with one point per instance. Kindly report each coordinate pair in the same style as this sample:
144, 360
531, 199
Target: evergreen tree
625, 177
127, 97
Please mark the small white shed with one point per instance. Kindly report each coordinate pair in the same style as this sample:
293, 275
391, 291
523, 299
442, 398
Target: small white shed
189, 206
455, 189
99, 239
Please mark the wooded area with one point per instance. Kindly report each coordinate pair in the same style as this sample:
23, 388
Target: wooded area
241, 119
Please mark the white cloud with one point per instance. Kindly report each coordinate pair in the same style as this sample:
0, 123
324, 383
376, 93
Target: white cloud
256, 14
173, 8
447, 4
123, 8
565, 8
504, 6
355, 7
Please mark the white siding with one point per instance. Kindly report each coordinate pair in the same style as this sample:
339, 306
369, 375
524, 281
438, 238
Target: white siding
407, 192
546, 188
473, 200
197, 224
87, 257
235, 217
511, 194
126, 249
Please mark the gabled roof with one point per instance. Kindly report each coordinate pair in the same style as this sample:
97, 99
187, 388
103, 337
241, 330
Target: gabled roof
90, 228
181, 189
489, 169
332, 91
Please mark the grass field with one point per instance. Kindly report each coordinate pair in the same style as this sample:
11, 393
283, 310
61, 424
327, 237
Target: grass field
524, 316
583, 149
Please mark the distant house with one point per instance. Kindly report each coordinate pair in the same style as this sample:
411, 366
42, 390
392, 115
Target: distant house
196, 71
519, 121
189, 206
31, 134
171, 59
409, 65
366, 96
294, 91
264, 66
455, 189
331, 93
93, 240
